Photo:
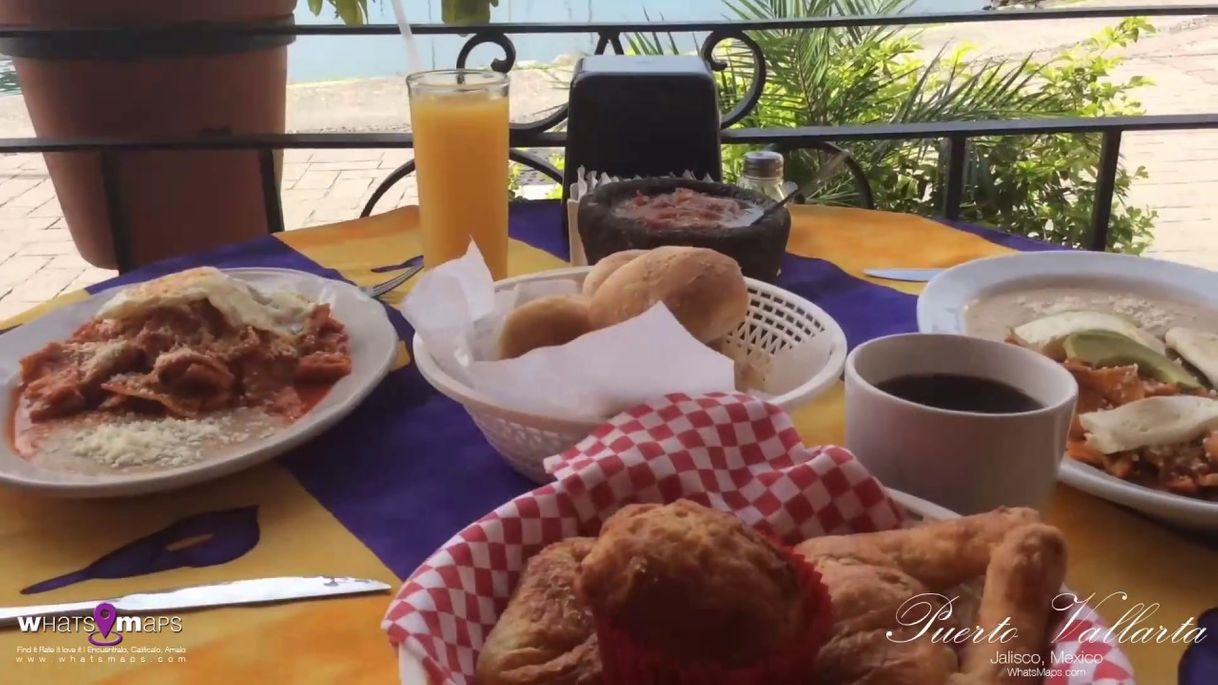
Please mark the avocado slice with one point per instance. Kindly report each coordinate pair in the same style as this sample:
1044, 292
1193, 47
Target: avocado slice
1045, 335
1105, 348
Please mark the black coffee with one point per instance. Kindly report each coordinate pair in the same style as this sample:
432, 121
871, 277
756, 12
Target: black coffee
960, 393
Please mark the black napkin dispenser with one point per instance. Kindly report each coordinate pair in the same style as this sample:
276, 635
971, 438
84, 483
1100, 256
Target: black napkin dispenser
635, 115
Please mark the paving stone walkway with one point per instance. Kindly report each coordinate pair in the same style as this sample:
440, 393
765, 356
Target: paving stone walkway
1183, 165
39, 261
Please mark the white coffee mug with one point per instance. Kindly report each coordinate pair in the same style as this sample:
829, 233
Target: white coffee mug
966, 461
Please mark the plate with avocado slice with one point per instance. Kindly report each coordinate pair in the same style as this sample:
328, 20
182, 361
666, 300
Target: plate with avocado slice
1133, 331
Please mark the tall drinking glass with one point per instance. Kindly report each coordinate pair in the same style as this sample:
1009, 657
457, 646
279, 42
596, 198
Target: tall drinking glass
460, 123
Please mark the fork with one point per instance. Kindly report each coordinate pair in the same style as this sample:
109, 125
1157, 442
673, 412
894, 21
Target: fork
412, 266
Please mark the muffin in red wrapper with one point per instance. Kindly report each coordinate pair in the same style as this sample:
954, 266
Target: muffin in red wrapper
685, 595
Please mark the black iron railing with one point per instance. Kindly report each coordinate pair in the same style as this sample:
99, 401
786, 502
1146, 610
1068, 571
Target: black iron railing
93, 42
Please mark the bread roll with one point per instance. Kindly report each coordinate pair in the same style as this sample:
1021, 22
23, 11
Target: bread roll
607, 266
703, 289
546, 321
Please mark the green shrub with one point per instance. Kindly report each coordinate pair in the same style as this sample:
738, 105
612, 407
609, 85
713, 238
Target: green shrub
352, 12
1039, 186
355, 12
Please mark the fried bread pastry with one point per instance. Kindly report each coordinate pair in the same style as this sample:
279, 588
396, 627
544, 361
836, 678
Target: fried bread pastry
693, 583
940, 554
871, 575
1025, 574
697, 583
545, 636
867, 589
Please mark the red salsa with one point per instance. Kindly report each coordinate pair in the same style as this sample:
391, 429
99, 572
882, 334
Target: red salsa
683, 208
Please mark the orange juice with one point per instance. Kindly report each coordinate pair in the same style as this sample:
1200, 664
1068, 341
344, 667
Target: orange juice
460, 123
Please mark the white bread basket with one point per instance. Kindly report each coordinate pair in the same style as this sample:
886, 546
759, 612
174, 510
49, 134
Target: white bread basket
777, 320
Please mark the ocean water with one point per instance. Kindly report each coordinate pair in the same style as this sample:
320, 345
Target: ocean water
331, 58
328, 58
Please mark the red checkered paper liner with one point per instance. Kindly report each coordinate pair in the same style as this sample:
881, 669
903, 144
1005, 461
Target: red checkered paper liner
730, 451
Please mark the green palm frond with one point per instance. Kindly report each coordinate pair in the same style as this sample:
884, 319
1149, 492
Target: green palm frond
1038, 186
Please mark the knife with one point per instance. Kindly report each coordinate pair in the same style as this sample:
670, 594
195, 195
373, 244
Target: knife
252, 591
914, 275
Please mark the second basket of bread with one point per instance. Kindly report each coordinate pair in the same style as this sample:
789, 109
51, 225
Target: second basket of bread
539, 361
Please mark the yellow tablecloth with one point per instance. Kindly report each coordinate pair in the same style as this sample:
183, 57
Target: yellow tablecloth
1111, 549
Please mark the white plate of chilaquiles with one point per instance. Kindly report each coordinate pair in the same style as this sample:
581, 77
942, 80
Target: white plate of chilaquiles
688, 554
184, 378
1140, 336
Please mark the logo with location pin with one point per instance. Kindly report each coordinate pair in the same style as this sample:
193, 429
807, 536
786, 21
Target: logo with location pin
104, 616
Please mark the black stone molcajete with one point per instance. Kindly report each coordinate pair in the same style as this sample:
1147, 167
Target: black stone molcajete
757, 248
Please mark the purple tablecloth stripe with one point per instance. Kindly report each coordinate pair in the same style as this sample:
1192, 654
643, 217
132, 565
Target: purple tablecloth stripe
408, 468
1015, 242
539, 224
864, 310
405, 471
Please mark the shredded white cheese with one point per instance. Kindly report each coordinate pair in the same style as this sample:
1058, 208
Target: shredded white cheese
131, 441
152, 442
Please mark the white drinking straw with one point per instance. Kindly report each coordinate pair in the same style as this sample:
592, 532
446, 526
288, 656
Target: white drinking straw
414, 63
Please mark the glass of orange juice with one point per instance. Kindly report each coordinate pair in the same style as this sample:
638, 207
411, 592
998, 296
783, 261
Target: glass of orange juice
460, 123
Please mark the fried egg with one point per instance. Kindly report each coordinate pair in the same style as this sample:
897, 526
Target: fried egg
240, 303
1165, 420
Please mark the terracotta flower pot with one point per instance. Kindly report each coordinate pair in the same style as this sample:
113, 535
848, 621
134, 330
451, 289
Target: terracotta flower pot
174, 202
